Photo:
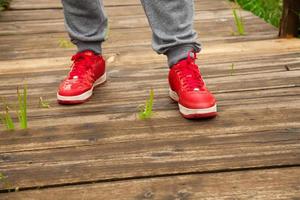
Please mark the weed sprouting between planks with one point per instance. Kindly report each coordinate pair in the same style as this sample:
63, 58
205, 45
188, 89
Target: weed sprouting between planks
43, 103
146, 111
238, 20
64, 43
232, 69
22, 111
2, 176
269, 10
7, 119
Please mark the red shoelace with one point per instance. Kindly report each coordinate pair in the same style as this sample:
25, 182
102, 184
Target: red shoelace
81, 65
190, 74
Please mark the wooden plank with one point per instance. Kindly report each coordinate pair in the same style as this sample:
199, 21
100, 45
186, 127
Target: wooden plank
34, 27
80, 135
223, 72
290, 21
101, 107
126, 57
156, 71
134, 95
258, 126
272, 184
138, 158
22, 46
54, 13
221, 79
202, 19
132, 21
35, 4
168, 116
117, 36
260, 108
100, 110
114, 41
50, 4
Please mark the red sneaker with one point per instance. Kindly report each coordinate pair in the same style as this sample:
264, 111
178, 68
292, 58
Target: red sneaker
188, 89
87, 71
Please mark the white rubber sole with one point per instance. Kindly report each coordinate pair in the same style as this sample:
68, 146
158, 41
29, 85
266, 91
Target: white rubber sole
84, 96
188, 111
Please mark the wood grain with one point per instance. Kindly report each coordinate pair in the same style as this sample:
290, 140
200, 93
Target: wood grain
272, 184
250, 151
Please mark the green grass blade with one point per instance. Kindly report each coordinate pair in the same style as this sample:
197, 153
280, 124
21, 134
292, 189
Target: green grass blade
269, 10
232, 69
22, 112
2, 176
8, 120
6, 117
146, 111
106, 33
64, 43
43, 103
238, 22
149, 104
25, 107
3, 120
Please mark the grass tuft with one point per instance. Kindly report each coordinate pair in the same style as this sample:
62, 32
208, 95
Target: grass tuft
22, 112
7, 119
269, 10
146, 110
2, 176
238, 20
232, 69
64, 43
43, 103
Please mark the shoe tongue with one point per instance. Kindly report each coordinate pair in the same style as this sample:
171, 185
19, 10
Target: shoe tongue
193, 74
88, 53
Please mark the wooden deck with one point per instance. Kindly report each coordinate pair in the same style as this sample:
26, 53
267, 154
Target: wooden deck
100, 150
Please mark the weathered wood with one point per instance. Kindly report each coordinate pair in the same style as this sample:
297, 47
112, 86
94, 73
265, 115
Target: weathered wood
116, 22
126, 57
59, 137
283, 184
190, 153
36, 4
258, 65
23, 45
257, 127
54, 4
111, 11
276, 118
290, 22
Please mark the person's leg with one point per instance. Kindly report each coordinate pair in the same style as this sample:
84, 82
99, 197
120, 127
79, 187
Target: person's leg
171, 22
173, 35
86, 23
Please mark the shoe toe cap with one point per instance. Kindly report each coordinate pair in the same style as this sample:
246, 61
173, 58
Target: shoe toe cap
197, 100
68, 88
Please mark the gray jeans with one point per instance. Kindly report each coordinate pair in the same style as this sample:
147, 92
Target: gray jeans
171, 22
